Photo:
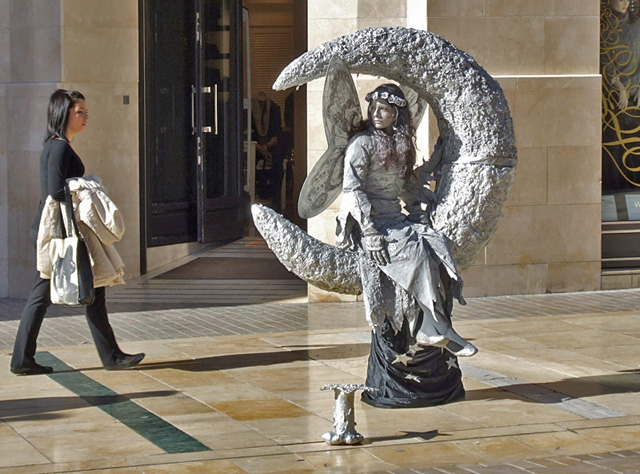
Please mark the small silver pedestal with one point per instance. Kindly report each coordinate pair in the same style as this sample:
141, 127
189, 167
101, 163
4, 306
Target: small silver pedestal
344, 421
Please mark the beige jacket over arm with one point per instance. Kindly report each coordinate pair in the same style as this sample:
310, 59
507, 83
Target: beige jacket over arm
99, 223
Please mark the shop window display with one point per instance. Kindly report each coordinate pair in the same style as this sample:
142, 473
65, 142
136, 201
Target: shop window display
619, 64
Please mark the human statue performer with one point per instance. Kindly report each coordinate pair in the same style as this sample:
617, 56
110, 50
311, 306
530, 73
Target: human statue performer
378, 178
399, 244
410, 287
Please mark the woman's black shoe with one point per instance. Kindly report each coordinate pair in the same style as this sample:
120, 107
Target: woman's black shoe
126, 361
35, 369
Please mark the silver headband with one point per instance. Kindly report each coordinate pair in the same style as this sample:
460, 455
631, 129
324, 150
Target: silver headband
391, 98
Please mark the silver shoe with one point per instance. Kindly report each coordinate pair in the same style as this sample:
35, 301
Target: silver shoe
435, 341
467, 351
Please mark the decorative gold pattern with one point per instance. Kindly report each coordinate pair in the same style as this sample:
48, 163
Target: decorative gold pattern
621, 124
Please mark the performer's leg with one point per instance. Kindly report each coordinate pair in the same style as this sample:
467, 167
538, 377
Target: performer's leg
24, 349
436, 330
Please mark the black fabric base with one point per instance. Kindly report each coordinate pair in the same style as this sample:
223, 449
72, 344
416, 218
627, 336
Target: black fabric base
432, 377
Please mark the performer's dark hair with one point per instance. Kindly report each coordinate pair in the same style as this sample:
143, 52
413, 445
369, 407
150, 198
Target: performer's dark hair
400, 147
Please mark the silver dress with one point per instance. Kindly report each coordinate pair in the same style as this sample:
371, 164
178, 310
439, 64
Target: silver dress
422, 275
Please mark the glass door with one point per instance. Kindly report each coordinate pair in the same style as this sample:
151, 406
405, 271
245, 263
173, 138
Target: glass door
218, 93
168, 168
191, 123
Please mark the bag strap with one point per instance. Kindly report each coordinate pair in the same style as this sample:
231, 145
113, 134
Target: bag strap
61, 230
70, 214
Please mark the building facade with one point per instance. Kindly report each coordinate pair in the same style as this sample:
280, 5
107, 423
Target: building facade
544, 53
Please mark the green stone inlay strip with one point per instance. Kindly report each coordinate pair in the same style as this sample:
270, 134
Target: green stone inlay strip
156, 430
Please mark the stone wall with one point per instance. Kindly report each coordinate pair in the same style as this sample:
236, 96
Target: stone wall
30, 68
88, 45
5, 58
545, 55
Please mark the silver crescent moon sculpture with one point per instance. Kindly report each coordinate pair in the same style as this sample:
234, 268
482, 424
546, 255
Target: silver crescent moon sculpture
474, 120
322, 265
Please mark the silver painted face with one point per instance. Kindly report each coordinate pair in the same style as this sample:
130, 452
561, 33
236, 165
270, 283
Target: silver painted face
383, 115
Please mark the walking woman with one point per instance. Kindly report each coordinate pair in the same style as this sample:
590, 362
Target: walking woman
67, 116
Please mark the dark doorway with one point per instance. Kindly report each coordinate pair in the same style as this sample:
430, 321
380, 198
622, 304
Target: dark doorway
191, 102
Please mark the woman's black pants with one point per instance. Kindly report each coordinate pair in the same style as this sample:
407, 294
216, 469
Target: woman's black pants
39, 300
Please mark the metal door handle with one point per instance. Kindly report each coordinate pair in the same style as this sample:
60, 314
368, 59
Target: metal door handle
206, 129
214, 129
215, 106
193, 110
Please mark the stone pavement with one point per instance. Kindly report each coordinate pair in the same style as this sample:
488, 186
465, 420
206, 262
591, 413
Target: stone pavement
236, 388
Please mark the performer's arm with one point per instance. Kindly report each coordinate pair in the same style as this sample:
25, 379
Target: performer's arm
356, 202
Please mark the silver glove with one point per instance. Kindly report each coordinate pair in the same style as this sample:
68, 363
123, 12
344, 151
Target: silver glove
377, 248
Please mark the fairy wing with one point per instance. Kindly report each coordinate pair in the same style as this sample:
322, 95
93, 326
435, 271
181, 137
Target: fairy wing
341, 114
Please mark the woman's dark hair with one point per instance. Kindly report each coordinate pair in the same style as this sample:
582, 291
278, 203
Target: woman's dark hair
58, 112
400, 147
